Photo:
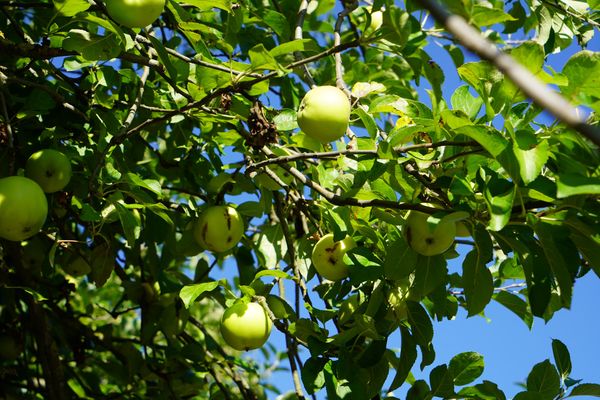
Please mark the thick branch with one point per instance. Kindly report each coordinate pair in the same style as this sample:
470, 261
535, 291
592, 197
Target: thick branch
541, 94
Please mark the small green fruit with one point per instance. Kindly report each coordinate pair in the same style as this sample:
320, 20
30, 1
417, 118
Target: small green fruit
245, 326
328, 257
135, 13
324, 113
426, 239
23, 208
219, 228
50, 168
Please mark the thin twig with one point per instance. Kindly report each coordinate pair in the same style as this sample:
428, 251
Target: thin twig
298, 36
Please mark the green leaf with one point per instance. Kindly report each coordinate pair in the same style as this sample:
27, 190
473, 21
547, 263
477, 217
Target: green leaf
483, 391
573, 185
544, 380
408, 356
463, 100
130, 223
367, 120
483, 15
499, 195
553, 246
209, 4
313, 376
466, 367
261, 59
531, 155
93, 47
477, 282
515, 304
403, 262
286, 120
70, 8
275, 273
430, 274
190, 293
164, 57
585, 389
562, 358
529, 396
419, 391
278, 22
441, 381
583, 72
420, 324
490, 139
290, 47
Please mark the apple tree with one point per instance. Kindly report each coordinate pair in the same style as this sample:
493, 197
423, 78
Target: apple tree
190, 189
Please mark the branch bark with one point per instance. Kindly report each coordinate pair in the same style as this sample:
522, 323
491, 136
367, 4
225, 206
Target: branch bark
536, 90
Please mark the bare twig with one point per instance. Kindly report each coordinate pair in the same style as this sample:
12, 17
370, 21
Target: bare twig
337, 40
298, 36
541, 94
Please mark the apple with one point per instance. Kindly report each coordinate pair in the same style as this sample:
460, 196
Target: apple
219, 228
50, 168
245, 326
426, 238
328, 257
324, 113
135, 13
23, 208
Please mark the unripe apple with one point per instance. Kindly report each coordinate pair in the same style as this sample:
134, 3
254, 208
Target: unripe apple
328, 257
426, 239
50, 168
245, 326
219, 228
324, 113
23, 208
135, 13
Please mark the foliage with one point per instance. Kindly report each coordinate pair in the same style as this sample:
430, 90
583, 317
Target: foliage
162, 122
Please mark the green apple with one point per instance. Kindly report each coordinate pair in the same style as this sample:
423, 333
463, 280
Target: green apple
219, 228
23, 208
426, 238
245, 326
135, 13
324, 113
50, 168
328, 257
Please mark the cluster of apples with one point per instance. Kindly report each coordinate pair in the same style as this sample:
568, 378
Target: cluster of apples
23, 204
425, 238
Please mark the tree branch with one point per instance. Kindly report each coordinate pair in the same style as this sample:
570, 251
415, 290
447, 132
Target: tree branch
537, 91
